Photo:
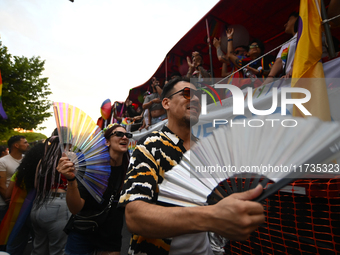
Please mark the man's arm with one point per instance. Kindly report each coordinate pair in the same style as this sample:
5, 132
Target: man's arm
159, 89
232, 217
149, 104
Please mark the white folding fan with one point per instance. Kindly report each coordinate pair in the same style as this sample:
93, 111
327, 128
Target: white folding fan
84, 143
237, 158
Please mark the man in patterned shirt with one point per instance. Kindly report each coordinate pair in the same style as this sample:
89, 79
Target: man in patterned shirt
178, 230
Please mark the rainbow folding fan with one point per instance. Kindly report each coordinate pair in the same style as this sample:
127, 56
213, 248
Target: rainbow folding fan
235, 159
84, 143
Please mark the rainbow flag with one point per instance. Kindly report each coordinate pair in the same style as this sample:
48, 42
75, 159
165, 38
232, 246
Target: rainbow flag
2, 111
8, 222
307, 61
284, 54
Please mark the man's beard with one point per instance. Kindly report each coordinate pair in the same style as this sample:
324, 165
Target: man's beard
190, 121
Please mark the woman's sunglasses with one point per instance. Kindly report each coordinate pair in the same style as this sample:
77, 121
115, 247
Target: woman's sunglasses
188, 93
121, 134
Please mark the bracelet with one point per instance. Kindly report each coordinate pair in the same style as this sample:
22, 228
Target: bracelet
71, 180
270, 76
230, 39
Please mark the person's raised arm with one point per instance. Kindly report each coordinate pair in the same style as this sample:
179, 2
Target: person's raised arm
197, 62
230, 54
191, 68
233, 217
158, 88
74, 202
219, 52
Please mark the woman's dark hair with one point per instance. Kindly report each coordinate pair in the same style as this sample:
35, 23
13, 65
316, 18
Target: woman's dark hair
296, 24
259, 43
47, 176
27, 168
170, 85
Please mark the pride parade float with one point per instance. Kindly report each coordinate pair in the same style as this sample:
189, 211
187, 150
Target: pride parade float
303, 217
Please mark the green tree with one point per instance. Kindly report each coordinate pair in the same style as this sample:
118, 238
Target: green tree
31, 137
24, 91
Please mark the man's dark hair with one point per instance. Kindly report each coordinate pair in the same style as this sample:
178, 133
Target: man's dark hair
13, 140
170, 85
174, 74
259, 43
296, 25
295, 14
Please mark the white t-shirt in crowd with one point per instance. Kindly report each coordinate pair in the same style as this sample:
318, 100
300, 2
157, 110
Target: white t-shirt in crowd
8, 164
287, 53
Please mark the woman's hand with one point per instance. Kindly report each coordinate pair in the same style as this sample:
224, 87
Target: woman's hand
66, 167
217, 43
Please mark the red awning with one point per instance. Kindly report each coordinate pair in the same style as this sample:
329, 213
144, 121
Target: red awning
263, 19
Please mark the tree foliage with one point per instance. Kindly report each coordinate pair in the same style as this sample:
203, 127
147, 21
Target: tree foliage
31, 137
24, 91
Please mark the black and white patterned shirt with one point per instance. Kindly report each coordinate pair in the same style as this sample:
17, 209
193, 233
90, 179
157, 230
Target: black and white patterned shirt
154, 154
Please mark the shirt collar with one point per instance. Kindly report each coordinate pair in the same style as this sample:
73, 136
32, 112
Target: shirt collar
174, 138
171, 135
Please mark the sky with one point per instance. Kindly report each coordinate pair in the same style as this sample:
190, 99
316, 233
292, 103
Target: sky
96, 50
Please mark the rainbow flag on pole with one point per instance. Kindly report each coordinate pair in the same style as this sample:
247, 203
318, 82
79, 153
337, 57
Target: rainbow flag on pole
307, 62
2, 111
8, 222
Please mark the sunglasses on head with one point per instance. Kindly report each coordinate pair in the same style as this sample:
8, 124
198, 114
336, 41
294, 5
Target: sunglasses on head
121, 134
188, 93
253, 46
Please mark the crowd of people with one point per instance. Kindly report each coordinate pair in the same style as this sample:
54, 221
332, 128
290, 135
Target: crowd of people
59, 201
62, 217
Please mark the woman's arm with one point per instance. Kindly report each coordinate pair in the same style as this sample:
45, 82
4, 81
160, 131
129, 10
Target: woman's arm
230, 54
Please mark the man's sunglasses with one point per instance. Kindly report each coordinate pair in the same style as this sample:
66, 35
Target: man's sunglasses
253, 46
188, 93
121, 134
